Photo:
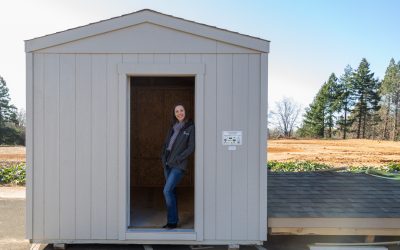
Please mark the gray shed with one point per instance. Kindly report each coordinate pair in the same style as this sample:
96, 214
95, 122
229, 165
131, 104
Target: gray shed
98, 106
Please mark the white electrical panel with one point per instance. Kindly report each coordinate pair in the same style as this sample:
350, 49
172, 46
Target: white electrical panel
232, 138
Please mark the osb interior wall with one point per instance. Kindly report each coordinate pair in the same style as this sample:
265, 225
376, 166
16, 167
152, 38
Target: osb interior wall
152, 101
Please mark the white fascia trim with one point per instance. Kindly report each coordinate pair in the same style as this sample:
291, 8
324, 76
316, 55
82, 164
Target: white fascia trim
142, 17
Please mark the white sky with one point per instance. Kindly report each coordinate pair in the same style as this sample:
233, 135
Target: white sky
309, 40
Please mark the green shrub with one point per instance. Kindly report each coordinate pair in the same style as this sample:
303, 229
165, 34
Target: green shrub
13, 174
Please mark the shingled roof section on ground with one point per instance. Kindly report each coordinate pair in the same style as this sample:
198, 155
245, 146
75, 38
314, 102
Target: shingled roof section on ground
332, 195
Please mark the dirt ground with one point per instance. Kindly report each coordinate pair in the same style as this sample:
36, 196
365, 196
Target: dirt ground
351, 152
12, 154
338, 153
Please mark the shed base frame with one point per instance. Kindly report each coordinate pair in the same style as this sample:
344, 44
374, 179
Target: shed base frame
334, 226
59, 246
151, 242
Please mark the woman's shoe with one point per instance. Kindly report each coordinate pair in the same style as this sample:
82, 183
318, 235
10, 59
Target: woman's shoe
170, 226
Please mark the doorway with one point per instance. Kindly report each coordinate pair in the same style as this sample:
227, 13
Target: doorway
151, 102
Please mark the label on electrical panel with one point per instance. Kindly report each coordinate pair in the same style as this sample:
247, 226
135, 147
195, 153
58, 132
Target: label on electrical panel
231, 138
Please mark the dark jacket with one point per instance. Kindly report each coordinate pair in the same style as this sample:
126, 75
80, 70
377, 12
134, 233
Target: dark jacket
182, 148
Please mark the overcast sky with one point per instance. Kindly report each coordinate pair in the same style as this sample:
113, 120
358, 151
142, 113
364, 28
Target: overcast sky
309, 39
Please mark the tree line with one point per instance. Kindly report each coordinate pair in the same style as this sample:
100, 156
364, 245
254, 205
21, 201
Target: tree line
12, 121
356, 105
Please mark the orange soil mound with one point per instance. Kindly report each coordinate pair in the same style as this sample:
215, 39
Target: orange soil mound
352, 152
12, 154
355, 152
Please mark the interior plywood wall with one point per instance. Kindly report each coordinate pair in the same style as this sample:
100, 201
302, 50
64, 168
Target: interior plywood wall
152, 100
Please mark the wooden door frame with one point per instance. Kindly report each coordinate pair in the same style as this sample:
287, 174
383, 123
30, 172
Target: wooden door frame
127, 70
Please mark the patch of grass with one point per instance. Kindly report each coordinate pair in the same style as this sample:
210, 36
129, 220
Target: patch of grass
357, 169
394, 167
13, 174
364, 169
390, 171
296, 166
383, 173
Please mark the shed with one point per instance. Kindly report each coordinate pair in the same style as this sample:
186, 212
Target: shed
98, 105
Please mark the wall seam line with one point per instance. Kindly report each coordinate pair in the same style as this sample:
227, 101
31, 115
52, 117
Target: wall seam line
107, 134
75, 143
59, 143
231, 128
91, 142
43, 143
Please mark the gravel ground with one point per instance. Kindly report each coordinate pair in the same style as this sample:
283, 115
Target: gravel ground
338, 153
12, 218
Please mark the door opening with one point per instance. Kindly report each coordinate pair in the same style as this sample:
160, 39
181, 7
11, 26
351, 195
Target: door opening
151, 102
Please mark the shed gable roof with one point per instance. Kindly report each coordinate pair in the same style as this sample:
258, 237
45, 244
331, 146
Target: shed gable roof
147, 16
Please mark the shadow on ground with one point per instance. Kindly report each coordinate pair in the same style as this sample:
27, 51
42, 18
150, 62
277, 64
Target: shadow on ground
273, 243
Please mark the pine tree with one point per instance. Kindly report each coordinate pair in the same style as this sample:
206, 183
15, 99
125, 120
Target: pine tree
390, 90
396, 101
314, 122
365, 90
345, 100
8, 113
332, 102
320, 113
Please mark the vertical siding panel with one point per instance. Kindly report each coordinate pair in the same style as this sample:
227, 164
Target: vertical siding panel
99, 146
263, 144
130, 58
112, 146
29, 148
224, 157
161, 58
177, 58
146, 58
38, 147
253, 158
51, 148
239, 156
83, 146
123, 150
193, 58
199, 154
210, 154
67, 146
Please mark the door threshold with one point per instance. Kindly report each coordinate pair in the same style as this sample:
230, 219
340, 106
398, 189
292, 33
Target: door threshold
160, 234
143, 230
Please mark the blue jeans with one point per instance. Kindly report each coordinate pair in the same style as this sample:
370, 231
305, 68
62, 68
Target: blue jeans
172, 178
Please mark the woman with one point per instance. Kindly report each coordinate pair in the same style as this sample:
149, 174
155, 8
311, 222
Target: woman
178, 146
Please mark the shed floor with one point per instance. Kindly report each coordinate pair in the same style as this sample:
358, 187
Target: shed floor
148, 207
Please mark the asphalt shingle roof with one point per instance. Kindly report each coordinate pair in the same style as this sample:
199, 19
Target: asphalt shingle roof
332, 195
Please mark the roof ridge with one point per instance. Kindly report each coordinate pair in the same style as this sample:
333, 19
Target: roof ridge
149, 10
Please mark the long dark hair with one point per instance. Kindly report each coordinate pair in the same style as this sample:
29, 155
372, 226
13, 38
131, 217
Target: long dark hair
174, 120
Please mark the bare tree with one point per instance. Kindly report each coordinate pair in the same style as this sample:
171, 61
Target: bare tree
21, 117
285, 116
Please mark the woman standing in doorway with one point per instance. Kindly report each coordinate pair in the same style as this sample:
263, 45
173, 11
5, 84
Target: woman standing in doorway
178, 146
